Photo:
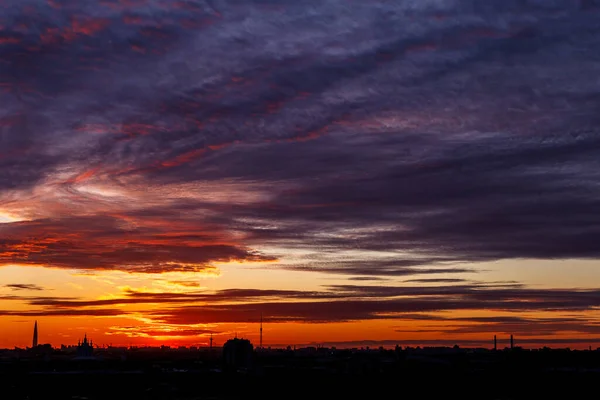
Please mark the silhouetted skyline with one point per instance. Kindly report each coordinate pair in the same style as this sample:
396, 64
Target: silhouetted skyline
239, 370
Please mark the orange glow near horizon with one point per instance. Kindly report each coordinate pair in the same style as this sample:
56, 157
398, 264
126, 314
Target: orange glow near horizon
118, 332
141, 324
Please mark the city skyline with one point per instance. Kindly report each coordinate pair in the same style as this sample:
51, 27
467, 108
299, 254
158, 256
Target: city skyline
447, 342
176, 172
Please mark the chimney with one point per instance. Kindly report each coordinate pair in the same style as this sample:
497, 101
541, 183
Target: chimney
495, 343
511, 342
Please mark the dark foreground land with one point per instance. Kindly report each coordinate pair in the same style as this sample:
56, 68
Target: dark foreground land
323, 374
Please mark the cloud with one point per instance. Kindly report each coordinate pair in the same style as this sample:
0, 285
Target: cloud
220, 296
423, 135
528, 313
359, 303
159, 332
24, 286
340, 303
366, 278
185, 283
469, 296
65, 313
107, 243
523, 327
371, 268
437, 280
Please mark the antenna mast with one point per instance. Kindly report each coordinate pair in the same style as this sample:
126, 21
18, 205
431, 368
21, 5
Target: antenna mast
35, 335
261, 330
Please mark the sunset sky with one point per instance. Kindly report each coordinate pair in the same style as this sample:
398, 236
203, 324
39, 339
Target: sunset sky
360, 172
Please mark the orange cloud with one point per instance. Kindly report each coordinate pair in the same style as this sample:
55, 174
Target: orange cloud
103, 242
83, 176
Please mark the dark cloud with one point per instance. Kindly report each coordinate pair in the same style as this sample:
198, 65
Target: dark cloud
373, 267
24, 286
528, 313
347, 310
420, 134
354, 303
523, 327
65, 313
367, 278
221, 296
338, 303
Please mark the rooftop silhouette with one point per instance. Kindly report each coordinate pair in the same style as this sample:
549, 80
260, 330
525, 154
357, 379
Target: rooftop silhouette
237, 369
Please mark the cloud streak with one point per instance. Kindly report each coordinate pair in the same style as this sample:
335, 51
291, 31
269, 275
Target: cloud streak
342, 303
24, 286
107, 243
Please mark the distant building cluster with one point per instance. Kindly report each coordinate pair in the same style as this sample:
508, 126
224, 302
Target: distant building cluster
239, 354
84, 348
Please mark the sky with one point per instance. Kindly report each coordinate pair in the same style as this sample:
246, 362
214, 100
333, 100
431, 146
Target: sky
416, 172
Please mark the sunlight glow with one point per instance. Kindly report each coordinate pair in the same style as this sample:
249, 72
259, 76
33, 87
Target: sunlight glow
7, 218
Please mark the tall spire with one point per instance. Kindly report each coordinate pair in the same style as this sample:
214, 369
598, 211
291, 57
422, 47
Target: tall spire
260, 345
35, 335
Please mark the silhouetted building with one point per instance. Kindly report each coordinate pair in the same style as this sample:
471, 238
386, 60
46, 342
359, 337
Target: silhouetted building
85, 348
237, 353
35, 335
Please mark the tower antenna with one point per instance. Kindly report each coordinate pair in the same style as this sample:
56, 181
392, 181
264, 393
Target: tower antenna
211, 341
261, 330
